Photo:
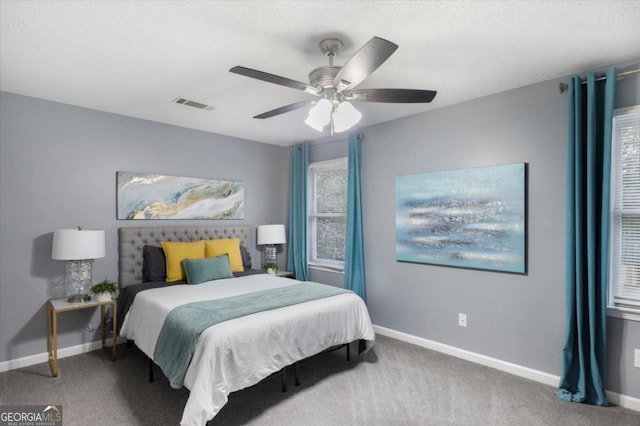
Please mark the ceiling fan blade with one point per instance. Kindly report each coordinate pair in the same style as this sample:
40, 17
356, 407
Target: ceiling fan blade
275, 79
283, 109
400, 96
364, 62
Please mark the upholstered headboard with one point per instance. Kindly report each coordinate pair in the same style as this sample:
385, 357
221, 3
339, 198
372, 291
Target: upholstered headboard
132, 240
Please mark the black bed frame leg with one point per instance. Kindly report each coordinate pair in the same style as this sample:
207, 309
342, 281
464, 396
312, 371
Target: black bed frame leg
150, 371
348, 351
284, 379
296, 367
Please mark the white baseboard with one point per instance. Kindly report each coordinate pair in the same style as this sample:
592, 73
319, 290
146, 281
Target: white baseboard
26, 361
624, 401
517, 370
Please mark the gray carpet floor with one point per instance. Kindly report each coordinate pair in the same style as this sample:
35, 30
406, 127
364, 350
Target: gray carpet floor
396, 383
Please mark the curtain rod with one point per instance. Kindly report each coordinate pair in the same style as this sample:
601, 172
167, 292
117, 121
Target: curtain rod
564, 86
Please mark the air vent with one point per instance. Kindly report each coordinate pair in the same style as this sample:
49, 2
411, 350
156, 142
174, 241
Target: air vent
194, 104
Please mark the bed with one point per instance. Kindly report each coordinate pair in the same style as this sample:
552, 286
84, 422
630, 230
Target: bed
263, 323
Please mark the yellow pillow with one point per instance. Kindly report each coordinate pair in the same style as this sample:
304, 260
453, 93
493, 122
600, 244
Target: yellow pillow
230, 246
176, 252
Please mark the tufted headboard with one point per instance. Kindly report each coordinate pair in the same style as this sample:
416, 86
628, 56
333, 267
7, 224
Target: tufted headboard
132, 240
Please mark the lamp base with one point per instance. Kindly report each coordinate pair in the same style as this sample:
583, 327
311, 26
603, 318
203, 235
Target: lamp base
78, 298
78, 280
269, 256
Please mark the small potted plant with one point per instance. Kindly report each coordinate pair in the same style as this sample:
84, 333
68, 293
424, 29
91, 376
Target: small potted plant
270, 267
104, 290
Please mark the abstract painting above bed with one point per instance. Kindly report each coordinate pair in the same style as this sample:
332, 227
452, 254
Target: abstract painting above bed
154, 196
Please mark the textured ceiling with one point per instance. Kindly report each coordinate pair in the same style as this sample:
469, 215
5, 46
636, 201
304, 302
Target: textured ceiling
135, 57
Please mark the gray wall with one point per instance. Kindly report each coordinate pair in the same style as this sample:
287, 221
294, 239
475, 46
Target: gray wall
58, 168
515, 318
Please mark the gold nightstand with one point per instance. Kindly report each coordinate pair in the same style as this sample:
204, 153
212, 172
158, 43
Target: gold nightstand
56, 306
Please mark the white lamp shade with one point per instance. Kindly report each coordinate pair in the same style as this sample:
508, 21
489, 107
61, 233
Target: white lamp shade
319, 115
271, 234
74, 244
345, 117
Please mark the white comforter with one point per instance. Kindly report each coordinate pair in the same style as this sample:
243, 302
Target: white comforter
239, 353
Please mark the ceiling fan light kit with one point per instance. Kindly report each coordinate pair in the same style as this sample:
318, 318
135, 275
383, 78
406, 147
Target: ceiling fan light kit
335, 86
342, 116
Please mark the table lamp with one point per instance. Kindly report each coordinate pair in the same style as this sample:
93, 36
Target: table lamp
79, 247
269, 236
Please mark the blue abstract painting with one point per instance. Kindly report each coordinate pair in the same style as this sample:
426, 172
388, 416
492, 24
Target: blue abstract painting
471, 218
153, 196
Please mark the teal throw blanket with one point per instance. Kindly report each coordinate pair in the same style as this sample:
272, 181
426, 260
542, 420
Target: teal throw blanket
184, 323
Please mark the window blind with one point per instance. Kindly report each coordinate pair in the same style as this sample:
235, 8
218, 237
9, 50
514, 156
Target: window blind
327, 213
624, 291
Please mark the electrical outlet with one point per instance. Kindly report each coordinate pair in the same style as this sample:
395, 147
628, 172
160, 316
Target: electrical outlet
636, 358
462, 320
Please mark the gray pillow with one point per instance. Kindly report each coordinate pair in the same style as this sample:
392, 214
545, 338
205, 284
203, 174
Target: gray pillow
154, 264
246, 257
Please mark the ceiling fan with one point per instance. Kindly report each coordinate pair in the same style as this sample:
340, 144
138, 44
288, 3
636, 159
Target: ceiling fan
336, 86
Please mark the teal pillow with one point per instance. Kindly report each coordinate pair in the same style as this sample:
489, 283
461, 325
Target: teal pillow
209, 269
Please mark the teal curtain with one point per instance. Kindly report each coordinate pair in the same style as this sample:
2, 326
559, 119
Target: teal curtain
297, 244
584, 354
354, 257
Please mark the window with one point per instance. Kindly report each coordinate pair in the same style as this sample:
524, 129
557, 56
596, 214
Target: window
327, 213
624, 280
